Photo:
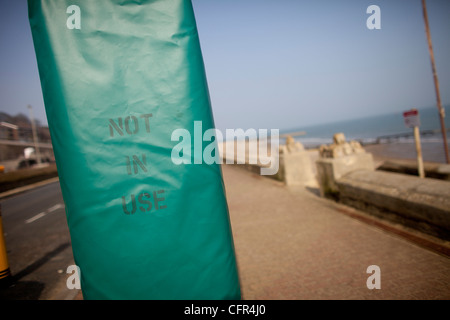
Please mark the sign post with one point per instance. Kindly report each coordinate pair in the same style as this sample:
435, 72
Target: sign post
436, 83
412, 120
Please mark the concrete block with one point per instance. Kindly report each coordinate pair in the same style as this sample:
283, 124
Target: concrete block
329, 170
423, 204
296, 168
406, 166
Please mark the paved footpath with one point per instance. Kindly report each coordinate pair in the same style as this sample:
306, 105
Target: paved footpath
292, 244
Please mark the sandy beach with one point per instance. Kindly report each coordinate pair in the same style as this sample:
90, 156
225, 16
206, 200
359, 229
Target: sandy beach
431, 151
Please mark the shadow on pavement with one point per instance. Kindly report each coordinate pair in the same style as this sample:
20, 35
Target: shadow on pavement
315, 191
29, 290
22, 290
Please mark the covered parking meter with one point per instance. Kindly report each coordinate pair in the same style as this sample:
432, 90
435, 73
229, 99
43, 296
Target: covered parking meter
118, 78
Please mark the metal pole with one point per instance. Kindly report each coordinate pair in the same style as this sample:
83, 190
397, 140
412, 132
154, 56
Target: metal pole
5, 273
35, 138
436, 83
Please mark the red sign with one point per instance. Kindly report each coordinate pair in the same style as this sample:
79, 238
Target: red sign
411, 118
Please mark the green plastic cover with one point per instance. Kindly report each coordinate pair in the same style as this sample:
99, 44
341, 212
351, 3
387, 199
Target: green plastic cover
118, 78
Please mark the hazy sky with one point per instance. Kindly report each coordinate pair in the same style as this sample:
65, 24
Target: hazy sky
282, 63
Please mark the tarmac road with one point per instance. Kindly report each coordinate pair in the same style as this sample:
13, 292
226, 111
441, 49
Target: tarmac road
38, 244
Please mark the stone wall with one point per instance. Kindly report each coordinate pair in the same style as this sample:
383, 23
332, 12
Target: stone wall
422, 204
346, 173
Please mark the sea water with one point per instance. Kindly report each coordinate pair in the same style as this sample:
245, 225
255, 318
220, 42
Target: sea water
368, 130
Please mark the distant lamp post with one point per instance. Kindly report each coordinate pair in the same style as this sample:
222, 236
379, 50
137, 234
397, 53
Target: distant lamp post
436, 83
35, 137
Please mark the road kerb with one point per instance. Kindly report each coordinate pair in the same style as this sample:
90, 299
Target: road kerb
27, 187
